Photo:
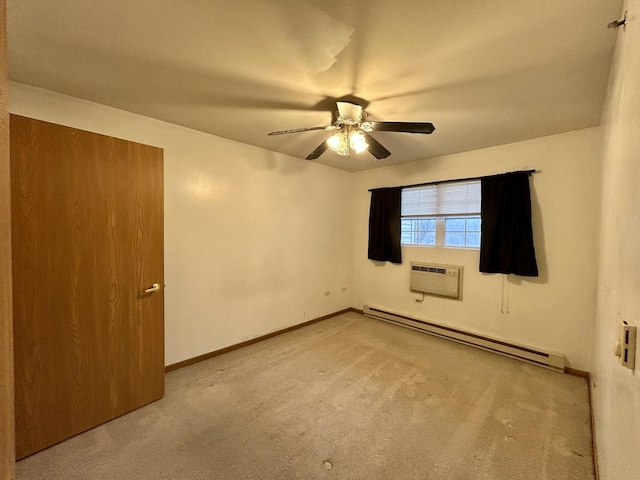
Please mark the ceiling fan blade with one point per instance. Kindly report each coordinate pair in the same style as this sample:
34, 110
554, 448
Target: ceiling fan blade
305, 129
318, 151
406, 127
375, 147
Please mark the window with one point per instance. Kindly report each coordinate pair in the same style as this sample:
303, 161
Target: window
444, 215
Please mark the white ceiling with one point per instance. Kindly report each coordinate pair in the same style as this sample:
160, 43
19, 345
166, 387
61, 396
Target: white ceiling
484, 72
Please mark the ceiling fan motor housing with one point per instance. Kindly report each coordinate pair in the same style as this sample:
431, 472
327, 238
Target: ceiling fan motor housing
349, 113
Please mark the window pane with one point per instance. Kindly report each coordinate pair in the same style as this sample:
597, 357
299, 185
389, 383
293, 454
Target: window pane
426, 238
418, 231
454, 224
426, 224
462, 232
454, 239
473, 224
473, 239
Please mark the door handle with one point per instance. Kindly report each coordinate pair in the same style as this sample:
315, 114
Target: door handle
154, 288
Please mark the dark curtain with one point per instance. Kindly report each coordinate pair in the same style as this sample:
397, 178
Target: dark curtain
384, 225
506, 245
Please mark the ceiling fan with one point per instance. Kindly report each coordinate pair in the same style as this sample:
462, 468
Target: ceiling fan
352, 132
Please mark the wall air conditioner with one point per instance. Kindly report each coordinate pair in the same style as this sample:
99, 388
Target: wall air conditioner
436, 279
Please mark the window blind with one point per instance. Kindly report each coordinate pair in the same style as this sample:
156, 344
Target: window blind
460, 198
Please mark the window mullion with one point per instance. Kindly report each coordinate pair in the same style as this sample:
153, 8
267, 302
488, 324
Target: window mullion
440, 232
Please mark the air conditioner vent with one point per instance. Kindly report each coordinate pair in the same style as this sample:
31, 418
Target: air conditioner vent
435, 279
422, 268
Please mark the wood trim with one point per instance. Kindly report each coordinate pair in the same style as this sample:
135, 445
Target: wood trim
587, 376
356, 310
576, 372
7, 430
215, 353
596, 468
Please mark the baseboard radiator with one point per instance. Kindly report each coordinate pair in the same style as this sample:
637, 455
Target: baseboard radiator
552, 360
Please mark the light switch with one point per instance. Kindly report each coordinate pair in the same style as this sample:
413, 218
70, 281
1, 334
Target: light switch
625, 347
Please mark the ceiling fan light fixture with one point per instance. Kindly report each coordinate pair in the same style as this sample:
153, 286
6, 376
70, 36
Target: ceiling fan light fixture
339, 143
344, 141
358, 142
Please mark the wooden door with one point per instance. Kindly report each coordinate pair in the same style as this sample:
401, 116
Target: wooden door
87, 231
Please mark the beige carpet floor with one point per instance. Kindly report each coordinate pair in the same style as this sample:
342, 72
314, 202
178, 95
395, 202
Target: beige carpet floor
346, 398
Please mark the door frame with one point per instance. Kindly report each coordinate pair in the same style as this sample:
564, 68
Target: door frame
7, 430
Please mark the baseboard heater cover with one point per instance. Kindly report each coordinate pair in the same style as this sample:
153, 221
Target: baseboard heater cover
552, 360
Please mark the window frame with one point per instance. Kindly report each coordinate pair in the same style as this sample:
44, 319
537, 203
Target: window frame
441, 219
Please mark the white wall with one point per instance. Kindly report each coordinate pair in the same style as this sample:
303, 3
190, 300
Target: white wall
253, 239
616, 396
555, 311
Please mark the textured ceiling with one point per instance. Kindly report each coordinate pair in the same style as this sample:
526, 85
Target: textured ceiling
484, 72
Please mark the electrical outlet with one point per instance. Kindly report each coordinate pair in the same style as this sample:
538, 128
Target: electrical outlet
327, 293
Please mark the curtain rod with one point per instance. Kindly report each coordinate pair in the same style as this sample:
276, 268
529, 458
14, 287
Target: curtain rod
468, 179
